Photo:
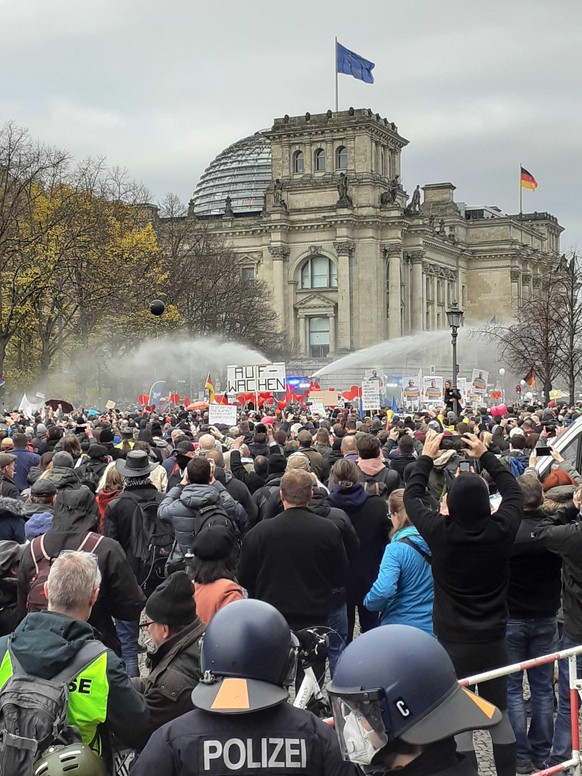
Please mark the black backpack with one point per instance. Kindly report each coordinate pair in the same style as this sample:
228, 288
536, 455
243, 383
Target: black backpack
212, 514
150, 542
33, 712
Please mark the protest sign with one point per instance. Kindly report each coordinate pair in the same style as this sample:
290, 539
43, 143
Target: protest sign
370, 395
257, 378
224, 414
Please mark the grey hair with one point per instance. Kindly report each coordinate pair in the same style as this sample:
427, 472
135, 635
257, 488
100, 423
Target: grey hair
72, 579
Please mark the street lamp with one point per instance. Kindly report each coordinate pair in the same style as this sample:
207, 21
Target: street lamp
502, 375
455, 319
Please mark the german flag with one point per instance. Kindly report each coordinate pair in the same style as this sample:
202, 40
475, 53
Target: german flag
209, 386
530, 379
527, 180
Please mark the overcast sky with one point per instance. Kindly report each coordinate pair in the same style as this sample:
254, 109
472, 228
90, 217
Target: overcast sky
162, 87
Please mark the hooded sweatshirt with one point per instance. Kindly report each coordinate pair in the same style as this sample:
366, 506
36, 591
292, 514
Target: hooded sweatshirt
368, 514
470, 550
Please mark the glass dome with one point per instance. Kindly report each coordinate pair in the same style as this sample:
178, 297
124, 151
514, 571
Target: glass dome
242, 171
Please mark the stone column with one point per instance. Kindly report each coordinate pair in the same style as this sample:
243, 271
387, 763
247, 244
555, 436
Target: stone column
344, 251
280, 255
417, 291
301, 322
394, 295
332, 335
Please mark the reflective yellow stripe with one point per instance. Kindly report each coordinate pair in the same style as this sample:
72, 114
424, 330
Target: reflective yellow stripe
88, 694
5, 669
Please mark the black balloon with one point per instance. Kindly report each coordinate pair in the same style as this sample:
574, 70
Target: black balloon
157, 307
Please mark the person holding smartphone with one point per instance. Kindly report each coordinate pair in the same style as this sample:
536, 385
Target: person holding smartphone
470, 549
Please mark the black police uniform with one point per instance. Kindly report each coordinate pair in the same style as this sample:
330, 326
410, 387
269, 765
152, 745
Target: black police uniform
282, 739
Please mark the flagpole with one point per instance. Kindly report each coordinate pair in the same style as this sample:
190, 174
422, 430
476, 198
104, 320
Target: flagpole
520, 194
336, 83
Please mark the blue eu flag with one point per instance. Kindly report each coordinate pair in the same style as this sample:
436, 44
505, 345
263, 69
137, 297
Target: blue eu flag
350, 63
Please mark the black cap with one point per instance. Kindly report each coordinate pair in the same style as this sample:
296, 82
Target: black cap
43, 488
172, 602
97, 451
213, 542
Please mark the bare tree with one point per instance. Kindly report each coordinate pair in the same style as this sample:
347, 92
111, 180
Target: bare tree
537, 338
206, 284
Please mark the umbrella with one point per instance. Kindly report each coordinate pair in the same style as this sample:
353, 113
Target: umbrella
54, 403
197, 405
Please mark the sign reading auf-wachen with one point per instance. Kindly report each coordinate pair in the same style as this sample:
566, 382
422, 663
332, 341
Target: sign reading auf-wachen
258, 378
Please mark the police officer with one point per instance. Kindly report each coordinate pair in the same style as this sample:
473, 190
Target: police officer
242, 721
397, 705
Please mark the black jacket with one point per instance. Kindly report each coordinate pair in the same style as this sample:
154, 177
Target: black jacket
251, 479
192, 745
470, 550
8, 487
174, 673
369, 516
560, 535
263, 495
118, 513
46, 642
294, 562
240, 493
119, 594
534, 573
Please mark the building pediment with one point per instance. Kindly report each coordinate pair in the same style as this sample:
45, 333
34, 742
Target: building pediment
315, 302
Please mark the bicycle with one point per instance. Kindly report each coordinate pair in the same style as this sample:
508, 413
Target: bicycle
313, 647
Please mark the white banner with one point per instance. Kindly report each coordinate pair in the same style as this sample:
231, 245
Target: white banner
256, 379
224, 414
370, 395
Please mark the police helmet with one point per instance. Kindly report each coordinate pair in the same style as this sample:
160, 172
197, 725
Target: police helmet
397, 682
75, 758
248, 656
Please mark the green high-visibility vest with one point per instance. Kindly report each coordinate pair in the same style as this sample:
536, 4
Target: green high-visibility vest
88, 696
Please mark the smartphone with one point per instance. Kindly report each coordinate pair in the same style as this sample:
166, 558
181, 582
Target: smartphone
465, 467
541, 451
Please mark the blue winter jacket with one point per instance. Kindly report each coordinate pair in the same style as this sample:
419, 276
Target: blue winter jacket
403, 592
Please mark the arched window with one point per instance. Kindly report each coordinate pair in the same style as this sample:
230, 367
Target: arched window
298, 162
319, 272
341, 158
319, 160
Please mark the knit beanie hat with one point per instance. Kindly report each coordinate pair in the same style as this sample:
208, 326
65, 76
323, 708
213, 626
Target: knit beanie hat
172, 602
106, 436
277, 464
556, 478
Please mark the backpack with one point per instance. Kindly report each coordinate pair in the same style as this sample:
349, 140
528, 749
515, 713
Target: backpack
212, 514
33, 711
375, 488
150, 542
268, 494
518, 464
36, 600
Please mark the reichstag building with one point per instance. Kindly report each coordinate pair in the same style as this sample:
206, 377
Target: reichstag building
315, 207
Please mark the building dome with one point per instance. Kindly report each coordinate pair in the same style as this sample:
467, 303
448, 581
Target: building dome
242, 172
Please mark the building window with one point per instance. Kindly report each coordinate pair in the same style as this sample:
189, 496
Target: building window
319, 160
319, 272
318, 337
248, 275
341, 158
440, 292
298, 162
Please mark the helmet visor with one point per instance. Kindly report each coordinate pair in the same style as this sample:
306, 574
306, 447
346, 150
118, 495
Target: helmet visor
359, 724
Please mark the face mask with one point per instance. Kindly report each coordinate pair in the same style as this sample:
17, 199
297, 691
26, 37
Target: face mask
358, 746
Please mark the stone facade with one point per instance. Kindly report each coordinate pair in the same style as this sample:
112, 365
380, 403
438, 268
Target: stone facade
350, 261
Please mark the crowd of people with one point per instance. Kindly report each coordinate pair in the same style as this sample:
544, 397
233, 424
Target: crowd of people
159, 566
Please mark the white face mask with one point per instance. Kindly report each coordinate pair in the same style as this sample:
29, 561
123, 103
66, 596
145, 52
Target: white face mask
357, 742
